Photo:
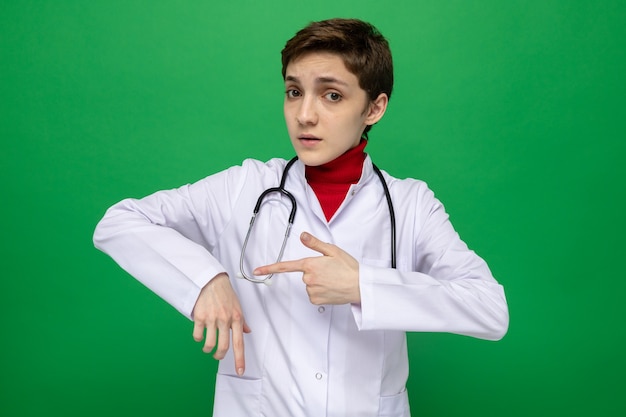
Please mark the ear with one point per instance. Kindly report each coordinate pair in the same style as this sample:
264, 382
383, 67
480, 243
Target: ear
376, 109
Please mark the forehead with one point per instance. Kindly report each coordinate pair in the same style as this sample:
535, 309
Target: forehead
319, 64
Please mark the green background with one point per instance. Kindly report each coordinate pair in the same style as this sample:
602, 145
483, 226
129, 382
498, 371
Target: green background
512, 111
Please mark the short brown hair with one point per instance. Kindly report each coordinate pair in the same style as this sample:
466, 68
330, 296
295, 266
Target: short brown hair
364, 50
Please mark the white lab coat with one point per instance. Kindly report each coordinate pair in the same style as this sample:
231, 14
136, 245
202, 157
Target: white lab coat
303, 359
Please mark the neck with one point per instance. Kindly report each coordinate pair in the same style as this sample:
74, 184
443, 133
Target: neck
331, 181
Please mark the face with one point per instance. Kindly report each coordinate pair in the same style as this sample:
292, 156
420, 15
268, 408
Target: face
326, 110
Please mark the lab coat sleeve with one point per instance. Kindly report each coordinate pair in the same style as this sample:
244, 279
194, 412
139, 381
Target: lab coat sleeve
165, 239
448, 289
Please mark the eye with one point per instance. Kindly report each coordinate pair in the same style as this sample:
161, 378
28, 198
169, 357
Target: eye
333, 96
293, 93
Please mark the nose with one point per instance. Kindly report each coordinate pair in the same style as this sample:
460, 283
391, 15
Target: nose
307, 113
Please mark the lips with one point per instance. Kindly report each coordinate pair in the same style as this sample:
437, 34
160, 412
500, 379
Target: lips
307, 137
309, 141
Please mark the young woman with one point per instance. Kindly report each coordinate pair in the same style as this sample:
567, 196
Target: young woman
368, 257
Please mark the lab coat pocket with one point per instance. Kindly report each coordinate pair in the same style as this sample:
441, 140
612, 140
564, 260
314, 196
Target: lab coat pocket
395, 405
378, 263
236, 396
401, 263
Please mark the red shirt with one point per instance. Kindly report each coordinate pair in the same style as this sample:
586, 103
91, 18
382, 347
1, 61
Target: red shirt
331, 181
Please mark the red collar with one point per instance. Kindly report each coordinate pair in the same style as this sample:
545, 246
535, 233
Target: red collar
345, 169
331, 181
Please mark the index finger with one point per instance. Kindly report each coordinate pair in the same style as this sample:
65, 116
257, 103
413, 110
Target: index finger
238, 347
284, 266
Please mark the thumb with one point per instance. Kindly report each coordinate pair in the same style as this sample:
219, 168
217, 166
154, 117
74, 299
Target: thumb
317, 245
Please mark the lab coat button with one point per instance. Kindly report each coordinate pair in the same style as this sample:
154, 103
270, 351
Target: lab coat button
321, 309
318, 376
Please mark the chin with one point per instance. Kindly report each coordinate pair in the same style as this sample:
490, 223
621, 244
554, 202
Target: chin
312, 160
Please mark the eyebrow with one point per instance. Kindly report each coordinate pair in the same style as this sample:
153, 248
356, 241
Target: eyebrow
319, 80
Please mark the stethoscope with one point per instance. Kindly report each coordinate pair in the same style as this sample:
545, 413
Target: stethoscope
281, 189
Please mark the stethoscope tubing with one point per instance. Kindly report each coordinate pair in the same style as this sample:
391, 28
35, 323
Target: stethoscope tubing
392, 215
292, 215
